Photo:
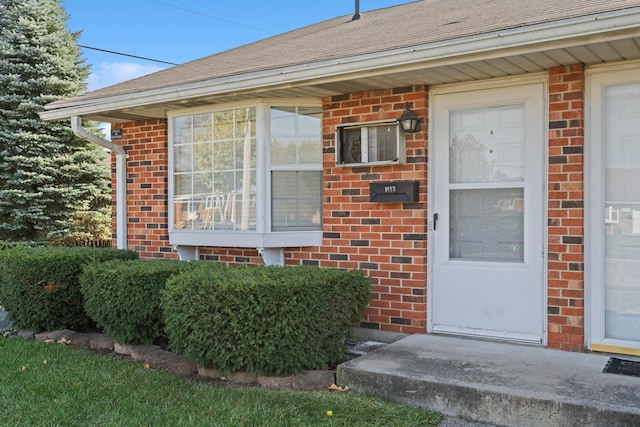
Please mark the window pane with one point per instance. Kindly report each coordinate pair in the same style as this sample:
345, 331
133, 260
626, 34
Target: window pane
622, 212
182, 185
296, 136
182, 161
383, 143
296, 200
220, 193
487, 225
202, 130
182, 130
487, 145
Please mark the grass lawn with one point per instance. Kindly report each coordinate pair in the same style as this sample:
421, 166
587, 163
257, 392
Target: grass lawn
53, 385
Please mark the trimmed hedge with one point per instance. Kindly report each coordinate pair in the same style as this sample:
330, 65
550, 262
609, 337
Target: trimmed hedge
265, 320
123, 297
39, 286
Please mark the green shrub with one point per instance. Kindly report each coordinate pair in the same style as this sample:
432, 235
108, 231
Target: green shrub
123, 297
265, 320
39, 286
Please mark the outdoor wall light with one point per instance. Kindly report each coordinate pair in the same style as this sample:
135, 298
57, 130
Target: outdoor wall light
409, 121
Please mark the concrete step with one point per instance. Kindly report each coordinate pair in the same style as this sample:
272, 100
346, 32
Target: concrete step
497, 383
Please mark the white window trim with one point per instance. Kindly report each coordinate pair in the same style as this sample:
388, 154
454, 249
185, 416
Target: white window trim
262, 237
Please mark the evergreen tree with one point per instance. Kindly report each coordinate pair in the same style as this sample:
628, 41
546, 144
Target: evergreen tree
50, 180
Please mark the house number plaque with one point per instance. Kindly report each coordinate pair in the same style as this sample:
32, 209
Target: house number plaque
393, 192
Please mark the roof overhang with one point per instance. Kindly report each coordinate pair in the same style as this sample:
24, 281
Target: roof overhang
607, 37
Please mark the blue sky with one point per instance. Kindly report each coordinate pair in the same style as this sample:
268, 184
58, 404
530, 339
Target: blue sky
178, 31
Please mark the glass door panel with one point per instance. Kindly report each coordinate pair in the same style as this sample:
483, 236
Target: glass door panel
486, 184
622, 212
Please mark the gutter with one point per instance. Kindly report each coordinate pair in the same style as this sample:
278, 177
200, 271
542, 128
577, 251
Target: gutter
121, 177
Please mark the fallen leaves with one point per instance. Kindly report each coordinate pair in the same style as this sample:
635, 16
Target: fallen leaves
334, 387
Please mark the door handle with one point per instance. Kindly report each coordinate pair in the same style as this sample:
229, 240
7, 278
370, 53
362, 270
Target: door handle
435, 221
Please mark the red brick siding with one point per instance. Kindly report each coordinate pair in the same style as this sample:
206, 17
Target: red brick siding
147, 173
389, 240
566, 208
385, 240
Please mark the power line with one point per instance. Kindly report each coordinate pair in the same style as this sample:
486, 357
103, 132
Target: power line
126, 54
211, 16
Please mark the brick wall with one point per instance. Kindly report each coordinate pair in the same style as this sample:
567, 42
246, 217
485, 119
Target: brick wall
389, 240
566, 208
386, 240
147, 173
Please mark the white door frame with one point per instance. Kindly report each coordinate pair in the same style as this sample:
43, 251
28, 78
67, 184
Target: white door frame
597, 77
470, 87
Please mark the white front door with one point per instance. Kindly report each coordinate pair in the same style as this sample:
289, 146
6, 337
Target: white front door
615, 211
488, 213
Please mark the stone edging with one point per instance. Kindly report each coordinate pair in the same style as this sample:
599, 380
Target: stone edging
154, 357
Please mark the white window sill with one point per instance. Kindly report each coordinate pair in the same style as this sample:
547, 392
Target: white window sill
246, 239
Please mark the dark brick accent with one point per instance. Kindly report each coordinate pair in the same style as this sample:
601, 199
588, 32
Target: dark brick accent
340, 214
415, 206
402, 259
575, 266
555, 160
166, 249
370, 221
328, 235
553, 310
400, 321
243, 259
368, 266
414, 237
359, 243
338, 257
351, 192
134, 219
310, 262
362, 169
400, 90
560, 124
371, 177
399, 275
338, 98
573, 149
572, 204
418, 291
417, 159
370, 325
145, 208
153, 226
571, 240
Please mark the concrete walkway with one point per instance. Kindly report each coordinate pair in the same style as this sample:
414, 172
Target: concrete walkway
497, 383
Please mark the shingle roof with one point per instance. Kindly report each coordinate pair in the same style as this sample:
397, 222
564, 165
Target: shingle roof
413, 24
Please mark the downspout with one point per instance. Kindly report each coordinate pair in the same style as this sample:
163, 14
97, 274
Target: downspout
121, 178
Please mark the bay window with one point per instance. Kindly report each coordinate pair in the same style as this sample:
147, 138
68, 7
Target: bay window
246, 176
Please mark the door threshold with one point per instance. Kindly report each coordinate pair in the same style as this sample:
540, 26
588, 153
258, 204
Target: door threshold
604, 348
507, 337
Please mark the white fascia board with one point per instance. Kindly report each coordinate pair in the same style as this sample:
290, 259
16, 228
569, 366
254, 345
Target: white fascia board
557, 34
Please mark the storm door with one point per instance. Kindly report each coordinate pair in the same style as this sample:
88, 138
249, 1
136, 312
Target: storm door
488, 213
615, 214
